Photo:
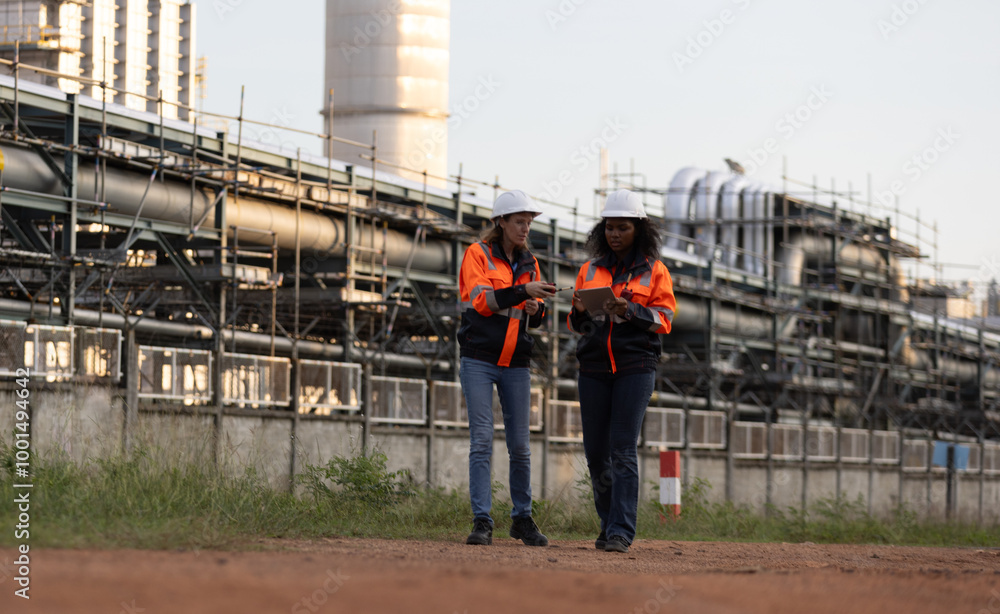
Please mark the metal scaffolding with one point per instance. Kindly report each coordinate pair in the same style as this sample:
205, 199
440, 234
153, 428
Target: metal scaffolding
277, 283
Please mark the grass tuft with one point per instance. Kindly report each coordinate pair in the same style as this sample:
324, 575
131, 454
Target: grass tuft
137, 501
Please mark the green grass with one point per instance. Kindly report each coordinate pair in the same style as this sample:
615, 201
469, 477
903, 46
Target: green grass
136, 502
825, 521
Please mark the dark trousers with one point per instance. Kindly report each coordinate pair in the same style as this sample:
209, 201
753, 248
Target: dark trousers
612, 408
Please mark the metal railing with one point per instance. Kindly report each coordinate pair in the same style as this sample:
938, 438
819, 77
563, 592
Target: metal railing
325, 387
567, 426
707, 429
173, 374
915, 455
28, 34
786, 442
749, 440
99, 352
663, 427
821, 443
256, 381
398, 400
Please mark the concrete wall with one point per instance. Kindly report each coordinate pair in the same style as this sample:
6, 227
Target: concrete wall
566, 471
708, 466
317, 441
407, 452
853, 483
86, 421
175, 438
77, 422
261, 444
451, 459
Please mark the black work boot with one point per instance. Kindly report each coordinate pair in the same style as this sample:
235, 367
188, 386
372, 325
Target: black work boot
616, 543
482, 532
601, 541
526, 530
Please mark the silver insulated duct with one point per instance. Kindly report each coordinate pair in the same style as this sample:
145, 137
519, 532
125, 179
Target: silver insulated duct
172, 202
387, 64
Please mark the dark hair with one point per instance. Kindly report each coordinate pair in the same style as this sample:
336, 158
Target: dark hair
647, 239
491, 234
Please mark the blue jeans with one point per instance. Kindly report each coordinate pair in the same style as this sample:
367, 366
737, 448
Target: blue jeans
514, 388
612, 408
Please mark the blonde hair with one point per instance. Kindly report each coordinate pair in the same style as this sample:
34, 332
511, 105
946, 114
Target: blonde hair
494, 233
491, 234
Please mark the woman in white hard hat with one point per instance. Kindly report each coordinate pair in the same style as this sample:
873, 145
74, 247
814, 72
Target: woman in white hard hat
618, 353
501, 298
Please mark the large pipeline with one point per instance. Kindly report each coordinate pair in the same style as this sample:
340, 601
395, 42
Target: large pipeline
692, 315
173, 201
242, 340
731, 212
804, 248
676, 202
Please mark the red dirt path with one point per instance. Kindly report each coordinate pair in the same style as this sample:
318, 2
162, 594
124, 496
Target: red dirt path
361, 575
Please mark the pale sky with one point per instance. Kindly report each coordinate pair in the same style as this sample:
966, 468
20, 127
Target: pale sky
906, 91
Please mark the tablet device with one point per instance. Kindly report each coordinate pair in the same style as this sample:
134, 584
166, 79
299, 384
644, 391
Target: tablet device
594, 299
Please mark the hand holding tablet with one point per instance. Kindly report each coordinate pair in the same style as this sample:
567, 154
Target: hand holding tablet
594, 299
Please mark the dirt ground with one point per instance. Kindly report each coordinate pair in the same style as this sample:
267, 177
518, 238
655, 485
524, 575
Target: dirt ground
363, 575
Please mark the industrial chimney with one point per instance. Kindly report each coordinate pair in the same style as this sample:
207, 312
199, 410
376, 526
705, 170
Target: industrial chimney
387, 64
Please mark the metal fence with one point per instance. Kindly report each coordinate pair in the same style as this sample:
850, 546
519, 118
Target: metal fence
256, 381
325, 387
566, 423
59, 352
173, 374
99, 353
185, 376
663, 427
398, 400
46, 351
707, 429
448, 408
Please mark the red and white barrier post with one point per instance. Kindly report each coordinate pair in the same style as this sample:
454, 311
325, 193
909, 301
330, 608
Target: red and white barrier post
670, 482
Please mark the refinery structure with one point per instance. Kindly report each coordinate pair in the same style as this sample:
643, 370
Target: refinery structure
138, 53
179, 287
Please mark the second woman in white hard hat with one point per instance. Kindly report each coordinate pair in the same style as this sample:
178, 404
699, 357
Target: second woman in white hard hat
502, 296
618, 352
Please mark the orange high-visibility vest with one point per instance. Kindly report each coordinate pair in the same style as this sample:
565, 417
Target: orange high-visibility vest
494, 322
629, 342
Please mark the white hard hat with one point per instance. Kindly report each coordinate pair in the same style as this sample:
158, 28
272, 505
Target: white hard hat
514, 201
624, 203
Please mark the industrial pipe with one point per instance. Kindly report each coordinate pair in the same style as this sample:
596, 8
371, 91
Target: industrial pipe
243, 339
707, 211
731, 212
173, 201
676, 202
795, 253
